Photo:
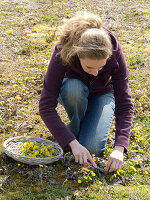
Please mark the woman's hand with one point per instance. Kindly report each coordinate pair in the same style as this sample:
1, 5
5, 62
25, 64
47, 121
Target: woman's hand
115, 160
81, 154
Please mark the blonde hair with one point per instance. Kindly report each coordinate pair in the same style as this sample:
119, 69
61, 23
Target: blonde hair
83, 35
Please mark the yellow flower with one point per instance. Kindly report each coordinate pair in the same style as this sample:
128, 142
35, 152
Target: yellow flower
29, 149
45, 148
133, 168
42, 151
26, 145
47, 154
19, 165
85, 177
31, 144
36, 152
35, 147
42, 145
34, 155
94, 158
93, 174
100, 182
52, 151
22, 148
120, 171
18, 97
40, 165
146, 172
79, 181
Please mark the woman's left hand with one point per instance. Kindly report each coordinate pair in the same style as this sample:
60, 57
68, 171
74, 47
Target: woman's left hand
115, 160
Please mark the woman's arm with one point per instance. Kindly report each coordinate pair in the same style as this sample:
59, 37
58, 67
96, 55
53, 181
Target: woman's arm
48, 101
123, 102
123, 112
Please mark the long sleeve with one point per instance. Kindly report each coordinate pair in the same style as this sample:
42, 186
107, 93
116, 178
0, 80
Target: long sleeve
123, 101
48, 101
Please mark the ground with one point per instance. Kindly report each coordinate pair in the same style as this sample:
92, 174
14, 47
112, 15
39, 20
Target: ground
27, 39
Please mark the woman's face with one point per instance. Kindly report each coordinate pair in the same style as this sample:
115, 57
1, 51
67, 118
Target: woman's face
92, 66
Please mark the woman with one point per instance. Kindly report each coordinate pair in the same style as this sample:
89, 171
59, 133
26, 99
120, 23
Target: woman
88, 75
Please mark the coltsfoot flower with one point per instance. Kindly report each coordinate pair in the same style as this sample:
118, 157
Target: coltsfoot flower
32, 149
79, 181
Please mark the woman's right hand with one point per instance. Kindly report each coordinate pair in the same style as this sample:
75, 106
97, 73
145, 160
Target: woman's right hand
81, 154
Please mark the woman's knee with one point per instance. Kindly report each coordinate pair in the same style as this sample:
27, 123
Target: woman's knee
97, 147
74, 91
96, 150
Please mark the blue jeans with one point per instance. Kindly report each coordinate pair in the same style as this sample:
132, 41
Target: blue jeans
90, 115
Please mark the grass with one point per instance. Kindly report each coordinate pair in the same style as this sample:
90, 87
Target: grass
28, 35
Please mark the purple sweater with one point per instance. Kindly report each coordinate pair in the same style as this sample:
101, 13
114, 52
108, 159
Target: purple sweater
114, 76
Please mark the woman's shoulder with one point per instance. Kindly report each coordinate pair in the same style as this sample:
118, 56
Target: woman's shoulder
58, 47
56, 52
114, 41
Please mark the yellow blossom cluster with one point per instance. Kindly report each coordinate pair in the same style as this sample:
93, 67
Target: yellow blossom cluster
87, 176
32, 149
94, 158
142, 103
118, 172
137, 134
